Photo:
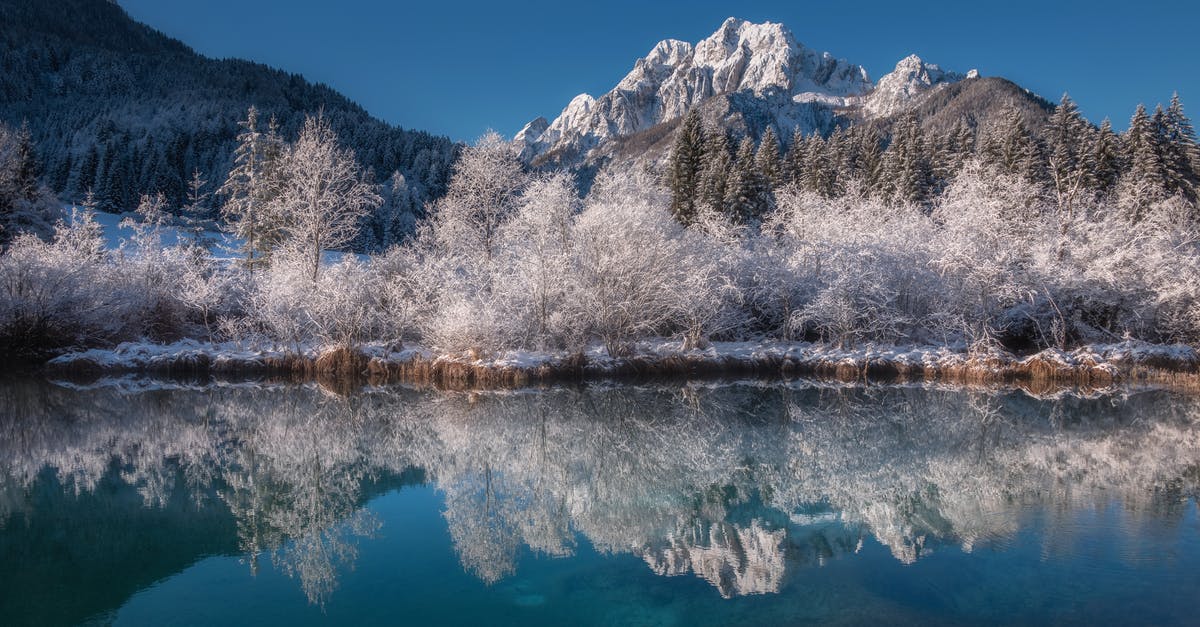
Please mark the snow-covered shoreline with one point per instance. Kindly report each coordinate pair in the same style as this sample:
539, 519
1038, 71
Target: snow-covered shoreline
1096, 365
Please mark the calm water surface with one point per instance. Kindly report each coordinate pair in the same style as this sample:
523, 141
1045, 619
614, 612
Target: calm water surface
135, 504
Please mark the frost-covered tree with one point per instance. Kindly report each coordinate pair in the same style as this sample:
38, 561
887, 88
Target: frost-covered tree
1071, 162
538, 241
25, 204
684, 167
1181, 155
1145, 179
627, 251
483, 192
248, 191
321, 193
714, 174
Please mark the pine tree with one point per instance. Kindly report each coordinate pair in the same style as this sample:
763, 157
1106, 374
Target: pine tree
1010, 147
906, 168
768, 159
1181, 156
1142, 153
86, 180
768, 170
794, 162
716, 168
868, 148
248, 190
1071, 166
1105, 152
839, 159
818, 175
684, 168
26, 165
741, 188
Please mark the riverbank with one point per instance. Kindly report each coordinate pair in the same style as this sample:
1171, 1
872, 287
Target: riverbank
1094, 366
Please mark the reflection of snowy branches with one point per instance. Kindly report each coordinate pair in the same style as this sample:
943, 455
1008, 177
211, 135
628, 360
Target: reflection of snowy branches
733, 483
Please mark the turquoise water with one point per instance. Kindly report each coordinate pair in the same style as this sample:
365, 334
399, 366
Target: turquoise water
131, 503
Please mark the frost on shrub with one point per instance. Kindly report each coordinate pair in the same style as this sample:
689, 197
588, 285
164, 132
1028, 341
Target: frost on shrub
629, 251
56, 294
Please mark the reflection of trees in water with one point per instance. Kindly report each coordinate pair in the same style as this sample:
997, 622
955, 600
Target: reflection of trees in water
731, 483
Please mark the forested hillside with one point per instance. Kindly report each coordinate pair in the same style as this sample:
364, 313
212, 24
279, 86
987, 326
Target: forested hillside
118, 108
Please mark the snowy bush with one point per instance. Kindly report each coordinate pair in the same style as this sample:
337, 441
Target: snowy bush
54, 295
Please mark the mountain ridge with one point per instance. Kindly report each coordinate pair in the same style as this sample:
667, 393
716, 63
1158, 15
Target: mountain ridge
744, 77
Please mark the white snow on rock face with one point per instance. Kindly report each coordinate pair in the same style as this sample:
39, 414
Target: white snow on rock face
772, 75
761, 60
911, 78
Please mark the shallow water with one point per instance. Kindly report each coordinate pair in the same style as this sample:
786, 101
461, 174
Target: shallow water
136, 504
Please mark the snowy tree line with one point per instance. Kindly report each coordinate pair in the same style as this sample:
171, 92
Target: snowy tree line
1072, 159
1000, 254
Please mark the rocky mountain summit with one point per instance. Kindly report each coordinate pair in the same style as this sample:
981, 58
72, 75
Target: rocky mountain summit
744, 76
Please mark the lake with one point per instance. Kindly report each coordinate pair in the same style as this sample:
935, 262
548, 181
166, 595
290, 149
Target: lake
134, 502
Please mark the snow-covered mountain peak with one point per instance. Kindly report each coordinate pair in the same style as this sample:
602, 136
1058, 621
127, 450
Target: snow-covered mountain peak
911, 78
755, 62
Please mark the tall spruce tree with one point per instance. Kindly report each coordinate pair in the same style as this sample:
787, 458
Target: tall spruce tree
714, 173
742, 187
818, 175
26, 170
1105, 152
684, 168
1071, 163
248, 190
1143, 154
1181, 156
868, 156
906, 168
794, 161
1010, 147
768, 167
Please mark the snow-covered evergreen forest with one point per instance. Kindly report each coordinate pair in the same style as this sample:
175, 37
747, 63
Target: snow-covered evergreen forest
1004, 236
119, 109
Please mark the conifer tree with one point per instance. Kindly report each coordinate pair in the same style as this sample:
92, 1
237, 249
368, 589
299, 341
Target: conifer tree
741, 189
1010, 147
1181, 156
840, 158
26, 164
868, 148
1071, 166
768, 159
717, 165
247, 191
1143, 154
768, 169
794, 161
906, 169
818, 176
1105, 152
684, 169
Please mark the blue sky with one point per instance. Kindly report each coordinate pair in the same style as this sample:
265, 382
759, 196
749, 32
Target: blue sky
459, 68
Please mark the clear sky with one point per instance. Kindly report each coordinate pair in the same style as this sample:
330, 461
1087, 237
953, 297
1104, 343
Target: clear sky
458, 68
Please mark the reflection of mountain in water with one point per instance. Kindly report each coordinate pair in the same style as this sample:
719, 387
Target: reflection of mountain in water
734, 484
